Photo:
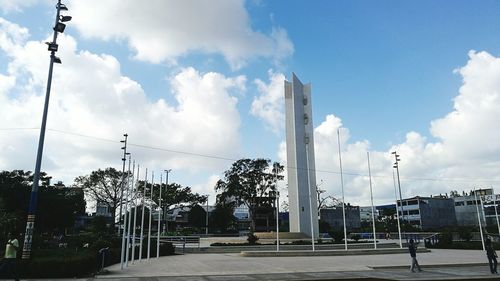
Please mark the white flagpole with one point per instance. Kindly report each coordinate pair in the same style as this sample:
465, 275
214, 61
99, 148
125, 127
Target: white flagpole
310, 197
150, 212
371, 194
129, 220
397, 209
122, 255
342, 185
277, 213
479, 220
143, 207
135, 214
159, 221
496, 211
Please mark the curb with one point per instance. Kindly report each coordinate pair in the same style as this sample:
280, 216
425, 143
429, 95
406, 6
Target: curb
430, 265
328, 252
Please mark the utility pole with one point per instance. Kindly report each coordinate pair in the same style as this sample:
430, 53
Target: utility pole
396, 166
124, 160
52, 47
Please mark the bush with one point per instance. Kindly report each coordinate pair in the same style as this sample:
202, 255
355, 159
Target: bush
337, 235
465, 233
355, 237
252, 239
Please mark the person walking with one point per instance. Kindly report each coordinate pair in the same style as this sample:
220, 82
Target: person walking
412, 248
492, 256
9, 265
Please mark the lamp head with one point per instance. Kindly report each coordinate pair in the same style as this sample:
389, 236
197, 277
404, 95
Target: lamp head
60, 27
65, 18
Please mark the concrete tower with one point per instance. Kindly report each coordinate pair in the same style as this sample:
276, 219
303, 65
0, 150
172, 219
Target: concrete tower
300, 158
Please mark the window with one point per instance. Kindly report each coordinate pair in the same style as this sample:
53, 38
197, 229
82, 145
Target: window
462, 203
414, 212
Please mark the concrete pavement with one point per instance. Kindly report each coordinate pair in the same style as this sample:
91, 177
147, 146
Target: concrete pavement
438, 264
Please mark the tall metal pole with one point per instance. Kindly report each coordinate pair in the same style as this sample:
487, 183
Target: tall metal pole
342, 185
166, 194
311, 198
397, 210
479, 220
150, 212
30, 222
496, 211
371, 195
124, 159
396, 166
277, 211
159, 220
129, 216
206, 218
122, 256
135, 213
143, 209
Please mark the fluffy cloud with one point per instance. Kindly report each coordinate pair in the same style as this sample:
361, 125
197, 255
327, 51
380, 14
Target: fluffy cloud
14, 5
464, 155
91, 97
161, 30
269, 104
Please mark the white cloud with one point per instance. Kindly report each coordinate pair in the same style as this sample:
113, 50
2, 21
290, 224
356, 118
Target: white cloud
91, 96
15, 5
161, 30
465, 154
269, 105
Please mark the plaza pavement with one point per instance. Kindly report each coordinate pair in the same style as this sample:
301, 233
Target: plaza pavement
437, 265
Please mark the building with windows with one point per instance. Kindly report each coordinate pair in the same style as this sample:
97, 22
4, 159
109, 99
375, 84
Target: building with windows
335, 219
428, 213
365, 213
468, 204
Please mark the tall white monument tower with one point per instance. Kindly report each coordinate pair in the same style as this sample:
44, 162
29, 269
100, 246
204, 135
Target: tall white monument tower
300, 158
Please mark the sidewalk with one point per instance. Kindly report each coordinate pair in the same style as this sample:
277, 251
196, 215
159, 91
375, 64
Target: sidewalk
235, 267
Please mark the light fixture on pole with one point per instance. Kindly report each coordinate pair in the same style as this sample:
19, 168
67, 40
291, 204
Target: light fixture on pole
396, 166
30, 222
124, 159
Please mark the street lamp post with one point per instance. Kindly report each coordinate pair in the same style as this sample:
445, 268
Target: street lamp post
396, 166
52, 47
206, 218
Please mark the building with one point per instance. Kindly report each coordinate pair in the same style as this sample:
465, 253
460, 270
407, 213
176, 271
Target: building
300, 158
365, 213
467, 206
428, 213
335, 217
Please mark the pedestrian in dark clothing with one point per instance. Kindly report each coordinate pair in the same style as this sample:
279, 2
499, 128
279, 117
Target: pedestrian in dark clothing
412, 248
492, 256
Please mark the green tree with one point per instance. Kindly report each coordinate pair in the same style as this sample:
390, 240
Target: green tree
247, 181
104, 186
197, 216
222, 217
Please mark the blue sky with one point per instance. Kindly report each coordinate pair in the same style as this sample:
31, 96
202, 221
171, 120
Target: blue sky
386, 70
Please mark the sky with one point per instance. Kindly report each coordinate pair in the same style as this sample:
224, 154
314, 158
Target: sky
199, 84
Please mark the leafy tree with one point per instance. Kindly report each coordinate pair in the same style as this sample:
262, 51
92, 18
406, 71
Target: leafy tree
247, 181
197, 216
104, 186
222, 217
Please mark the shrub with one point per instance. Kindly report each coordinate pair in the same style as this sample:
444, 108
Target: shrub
355, 237
336, 235
252, 239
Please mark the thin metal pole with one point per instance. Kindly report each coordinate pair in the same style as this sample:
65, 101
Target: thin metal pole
277, 211
129, 216
342, 185
150, 212
124, 159
166, 194
30, 222
143, 210
159, 221
496, 211
122, 256
371, 195
310, 197
135, 213
206, 217
479, 220
397, 210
